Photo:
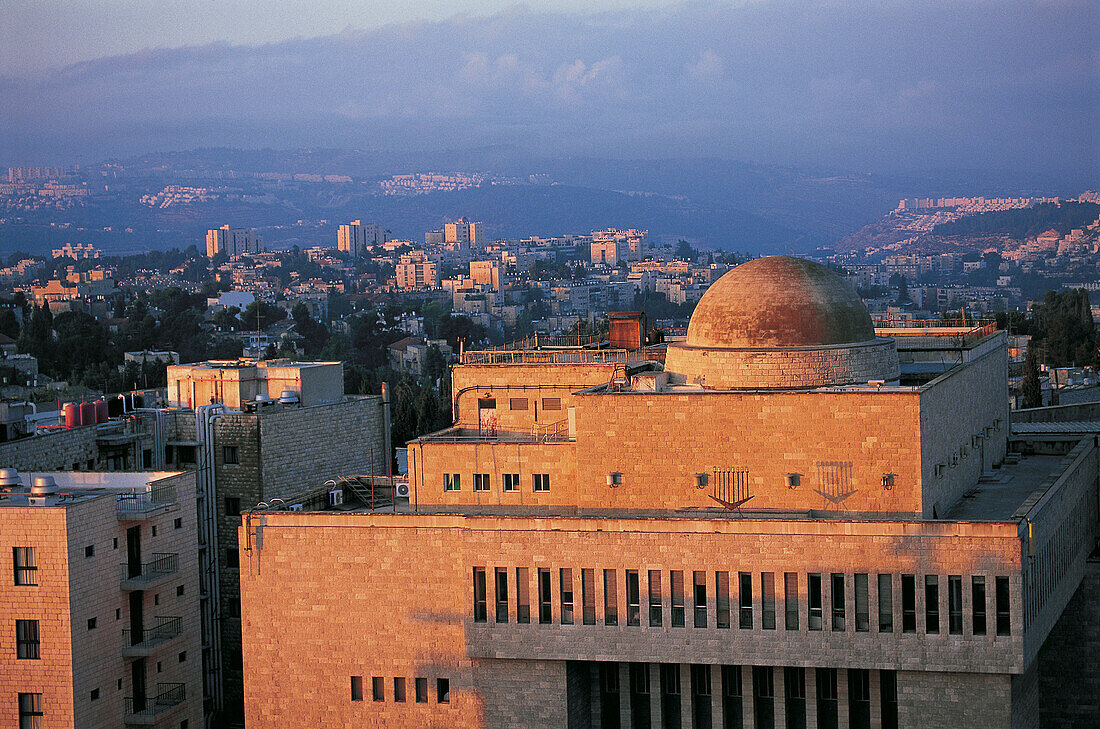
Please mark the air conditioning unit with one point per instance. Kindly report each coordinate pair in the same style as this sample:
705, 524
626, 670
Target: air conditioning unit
295, 507
888, 481
794, 480
336, 497
614, 479
401, 490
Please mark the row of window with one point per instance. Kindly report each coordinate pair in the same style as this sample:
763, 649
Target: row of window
519, 403
509, 482
671, 705
420, 689
740, 606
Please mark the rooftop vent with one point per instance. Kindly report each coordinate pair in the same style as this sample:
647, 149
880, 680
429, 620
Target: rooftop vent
43, 486
289, 397
9, 480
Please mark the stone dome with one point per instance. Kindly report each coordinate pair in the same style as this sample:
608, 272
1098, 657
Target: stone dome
779, 301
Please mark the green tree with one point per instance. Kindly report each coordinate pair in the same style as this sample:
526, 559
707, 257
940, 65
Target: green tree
1029, 387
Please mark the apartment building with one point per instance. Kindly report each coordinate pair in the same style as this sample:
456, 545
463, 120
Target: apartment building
232, 241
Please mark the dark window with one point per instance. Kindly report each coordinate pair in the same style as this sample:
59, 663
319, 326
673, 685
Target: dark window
378, 688
722, 599
639, 678
186, 453
182, 657
863, 606
977, 593
551, 403
655, 607
169, 454
356, 688
153, 530
540, 482
676, 583
610, 599
92, 622
452, 482
502, 595
147, 459
30, 711
487, 403
767, 601
827, 704
114, 541
94, 695
609, 695
509, 482
179, 590
443, 691
545, 613
481, 482
670, 695
790, 596
399, 689
813, 585
731, 697
954, 604
565, 585
27, 643
837, 585
176, 524
588, 597
517, 403
908, 604
701, 714
523, 596
26, 570
89, 551
888, 695
931, 604
231, 454
640, 710
232, 558
633, 598
232, 506
1004, 624
794, 694
479, 595
859, 698
420, 687
699, 585
885, 604
745, 621
763, 696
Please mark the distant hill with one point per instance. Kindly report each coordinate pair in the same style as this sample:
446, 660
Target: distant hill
1022, 223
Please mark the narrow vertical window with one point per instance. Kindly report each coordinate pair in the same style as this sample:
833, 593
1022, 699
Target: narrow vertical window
722, 599
26, 571
908, 604
888, 698
588, 597
399, 689
790, 599
479, 595
610, 599
813, 600
731, 696
670, 694
655, 606
699, 591
863, 606
837, 590
859, 698
502, 594
378, 688
977, 594
827, 702
676, 583
763, 696
420, 687
565, 585
27, 643
885, 604
30, 711
745, 595
794, 693
544, 596
356, 688
633, 598
640, 708
702, 714
767, 601
1004, 624
443, 690
523, 595
954, 604
931, 604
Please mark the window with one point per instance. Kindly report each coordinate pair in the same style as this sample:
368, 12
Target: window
908, 604
452, 482
931, 604
565, 585
745, 621
186, 453
640, 709
701, 712
523, 596
26, 639
146, 459
540, 482
179, 590
790, 597
767, 600
609, 694
91, 623
813, 584
232, 506
656, 616
509, 482
232, 558
633, 598
356, 688
763, 695
517, 403
699, 593
420, 688
863, 606
94, 695
231, 455
676, 582
399, 689
30, 709
182, 657
888, 698
443, 691
610, 599
154, 530
977, 593
837, 585
794, 692
156, 597
502, 595
859, 698
1004, 625
954, 605
551, 403
670, 695
177, 524
481, 482
827, 704
377, 688
885, 604
588, 597
114, 542
89, 551
722, 599
479, 595
26, 571
544, 596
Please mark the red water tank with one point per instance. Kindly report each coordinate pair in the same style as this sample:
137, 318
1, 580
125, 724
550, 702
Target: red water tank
87, 413
101, 411
71, 412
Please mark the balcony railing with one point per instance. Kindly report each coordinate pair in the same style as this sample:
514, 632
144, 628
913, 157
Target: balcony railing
140, 576
143, 504
143, 642
144, 711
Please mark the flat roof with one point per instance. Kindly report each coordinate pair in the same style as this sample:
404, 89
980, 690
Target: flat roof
1000, 494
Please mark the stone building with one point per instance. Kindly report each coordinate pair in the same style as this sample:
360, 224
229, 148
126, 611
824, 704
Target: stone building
99, 600
795, 522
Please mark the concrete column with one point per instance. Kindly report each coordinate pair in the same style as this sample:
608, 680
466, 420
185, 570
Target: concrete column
780, 694
843, 718
747, 706
687, 696
876, 700
624, 696
717, 698
594, 688
811, 698
655, 695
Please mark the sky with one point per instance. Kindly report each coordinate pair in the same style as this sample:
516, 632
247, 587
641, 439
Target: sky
894, 86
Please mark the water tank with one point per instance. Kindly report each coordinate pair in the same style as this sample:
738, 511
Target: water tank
71, 412
43, 486
101, 411
87, 413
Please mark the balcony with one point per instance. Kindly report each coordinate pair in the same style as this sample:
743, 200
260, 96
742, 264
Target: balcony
148, 574
144, 712
144, 642
145, 504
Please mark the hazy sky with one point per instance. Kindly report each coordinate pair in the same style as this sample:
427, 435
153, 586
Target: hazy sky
860, 85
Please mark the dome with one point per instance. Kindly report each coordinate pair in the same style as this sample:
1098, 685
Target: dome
779, 301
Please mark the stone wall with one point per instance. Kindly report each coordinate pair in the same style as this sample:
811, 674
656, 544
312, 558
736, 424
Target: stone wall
530, 383
56, 451
1069, 662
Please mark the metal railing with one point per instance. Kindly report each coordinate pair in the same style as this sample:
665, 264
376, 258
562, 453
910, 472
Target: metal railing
168, 695
165, 630
163, 564
139, 503
554, 356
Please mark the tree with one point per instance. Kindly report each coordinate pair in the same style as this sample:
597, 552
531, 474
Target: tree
1029, 387
9, 325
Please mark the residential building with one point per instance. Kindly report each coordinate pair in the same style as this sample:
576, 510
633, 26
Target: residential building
416, 275
486, 273
411, 354
356, 238
463, 235
232, 241
613, 246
